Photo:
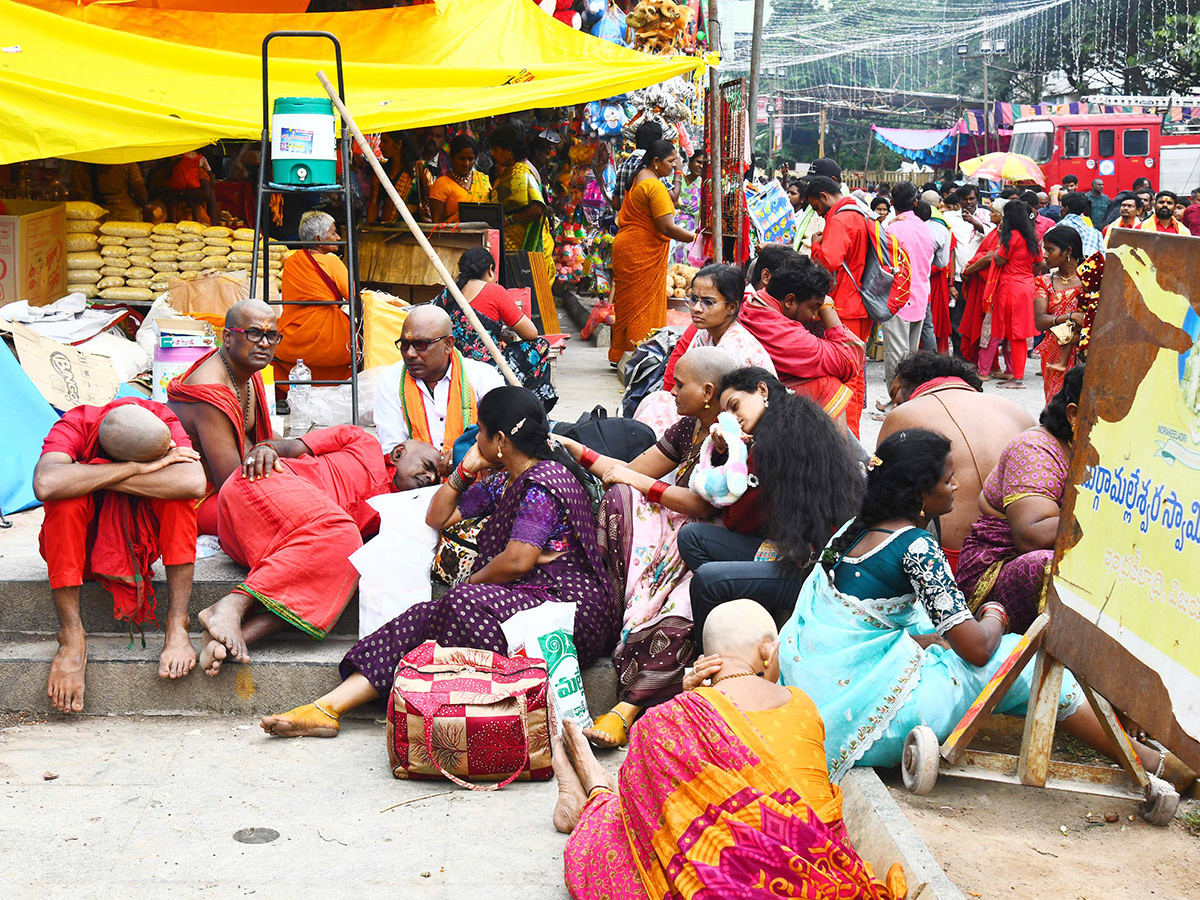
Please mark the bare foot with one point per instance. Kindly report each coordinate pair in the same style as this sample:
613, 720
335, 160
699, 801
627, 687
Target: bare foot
1002, 376
211, 657
65, 685
223, 620
303, 721
178, 655
591, 774
571, 797
1015, 385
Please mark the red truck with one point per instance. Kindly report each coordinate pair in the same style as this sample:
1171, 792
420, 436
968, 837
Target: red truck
1116, 147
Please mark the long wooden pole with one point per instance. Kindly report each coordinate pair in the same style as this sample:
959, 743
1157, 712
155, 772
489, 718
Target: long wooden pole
755, 65
402, 208
714, 134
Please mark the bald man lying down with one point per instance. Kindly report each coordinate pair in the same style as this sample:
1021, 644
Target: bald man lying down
118, 483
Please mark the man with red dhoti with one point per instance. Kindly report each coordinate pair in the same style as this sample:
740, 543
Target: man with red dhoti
842, 249
819, 366
320, 335
294, 514
221, 401
118, 483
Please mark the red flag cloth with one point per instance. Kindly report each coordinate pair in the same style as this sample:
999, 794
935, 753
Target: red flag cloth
224, 399
110, 536
307, 519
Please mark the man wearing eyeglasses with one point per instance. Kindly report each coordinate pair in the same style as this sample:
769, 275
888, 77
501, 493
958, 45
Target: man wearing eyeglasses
433, 394
221, 401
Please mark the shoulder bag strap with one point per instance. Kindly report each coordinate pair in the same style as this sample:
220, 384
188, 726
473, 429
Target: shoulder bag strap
523, 711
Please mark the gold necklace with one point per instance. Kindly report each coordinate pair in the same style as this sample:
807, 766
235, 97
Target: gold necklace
464, 182
716, 681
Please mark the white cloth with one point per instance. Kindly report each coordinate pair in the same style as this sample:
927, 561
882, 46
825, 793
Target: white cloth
968, 238
389, 412
941, 243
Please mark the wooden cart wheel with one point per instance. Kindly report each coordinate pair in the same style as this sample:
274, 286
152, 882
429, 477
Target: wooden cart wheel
919, 764
1160, 804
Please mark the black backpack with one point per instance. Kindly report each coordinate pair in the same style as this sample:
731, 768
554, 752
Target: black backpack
618, 437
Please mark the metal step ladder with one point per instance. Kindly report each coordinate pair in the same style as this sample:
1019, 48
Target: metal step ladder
262, 219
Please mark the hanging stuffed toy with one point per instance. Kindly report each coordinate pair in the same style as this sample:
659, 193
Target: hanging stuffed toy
724, 484
563, 10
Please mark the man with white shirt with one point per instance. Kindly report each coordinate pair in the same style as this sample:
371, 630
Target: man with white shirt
902, 332
969, 228
434, 393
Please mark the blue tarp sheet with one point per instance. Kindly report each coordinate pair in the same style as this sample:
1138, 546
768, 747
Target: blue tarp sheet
25, 418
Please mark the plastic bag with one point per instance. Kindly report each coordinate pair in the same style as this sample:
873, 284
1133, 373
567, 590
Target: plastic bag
331, 405
394, 565
548, 632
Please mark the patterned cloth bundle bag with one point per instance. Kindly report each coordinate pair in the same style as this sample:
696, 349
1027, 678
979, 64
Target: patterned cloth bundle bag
469, 715
456, 551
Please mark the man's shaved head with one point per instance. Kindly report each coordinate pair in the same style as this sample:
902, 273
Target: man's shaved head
249, 312
430, 325
432, 319
737, 629
132, 433
706, 365
416, 465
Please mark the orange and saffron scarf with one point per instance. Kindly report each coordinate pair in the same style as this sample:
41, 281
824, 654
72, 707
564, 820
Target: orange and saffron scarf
461, 408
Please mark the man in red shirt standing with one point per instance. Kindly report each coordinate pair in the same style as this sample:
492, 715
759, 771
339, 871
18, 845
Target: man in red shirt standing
842, 247
1164, 220
119, 484
1191, 215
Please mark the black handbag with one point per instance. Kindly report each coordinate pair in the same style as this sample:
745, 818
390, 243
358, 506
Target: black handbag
618, 437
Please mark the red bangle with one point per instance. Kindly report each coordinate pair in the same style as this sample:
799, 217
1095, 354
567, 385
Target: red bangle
468, 477
589, 457
655, 494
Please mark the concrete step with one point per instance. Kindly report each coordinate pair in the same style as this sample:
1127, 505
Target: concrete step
26, 605
578, 308
123, 680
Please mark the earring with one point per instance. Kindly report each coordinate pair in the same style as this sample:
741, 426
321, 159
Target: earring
706, 404
923, 516
499, 453
766, 403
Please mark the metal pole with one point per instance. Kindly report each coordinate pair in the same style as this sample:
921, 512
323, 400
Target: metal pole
821, 135
987, 113
957, 142
755, 65
714, 134
402, 208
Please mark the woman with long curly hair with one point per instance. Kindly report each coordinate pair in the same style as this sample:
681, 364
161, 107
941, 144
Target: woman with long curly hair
1008, 295
882, 639
807, 483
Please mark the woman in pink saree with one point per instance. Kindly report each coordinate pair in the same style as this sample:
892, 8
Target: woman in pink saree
724, 792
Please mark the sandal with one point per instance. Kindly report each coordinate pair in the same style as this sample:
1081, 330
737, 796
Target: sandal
605, 734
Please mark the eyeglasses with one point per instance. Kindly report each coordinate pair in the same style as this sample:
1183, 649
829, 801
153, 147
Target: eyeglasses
703, 302
258, 336
419, 346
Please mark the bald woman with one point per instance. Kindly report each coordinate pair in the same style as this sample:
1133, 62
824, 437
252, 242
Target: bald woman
119, 484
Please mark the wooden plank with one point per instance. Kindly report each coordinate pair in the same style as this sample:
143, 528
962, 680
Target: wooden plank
1040, 719
960, 738
1116, 736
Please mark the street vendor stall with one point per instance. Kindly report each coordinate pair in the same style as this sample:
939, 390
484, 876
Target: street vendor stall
390, 258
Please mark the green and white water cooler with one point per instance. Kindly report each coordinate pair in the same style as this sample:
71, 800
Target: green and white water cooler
303, 141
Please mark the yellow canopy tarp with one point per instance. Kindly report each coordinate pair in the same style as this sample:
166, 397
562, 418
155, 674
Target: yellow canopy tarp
74, 88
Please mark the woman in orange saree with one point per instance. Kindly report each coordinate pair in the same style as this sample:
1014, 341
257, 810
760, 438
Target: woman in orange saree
641, 251
724, 792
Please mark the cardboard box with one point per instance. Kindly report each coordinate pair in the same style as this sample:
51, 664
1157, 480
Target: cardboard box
184, 332
67, 377
33, 257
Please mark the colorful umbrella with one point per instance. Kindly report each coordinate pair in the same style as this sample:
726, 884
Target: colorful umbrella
1013, 167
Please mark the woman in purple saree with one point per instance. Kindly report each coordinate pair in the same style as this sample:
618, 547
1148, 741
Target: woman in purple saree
538, 546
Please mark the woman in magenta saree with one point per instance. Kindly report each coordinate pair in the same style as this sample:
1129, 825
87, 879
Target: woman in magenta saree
707, 810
